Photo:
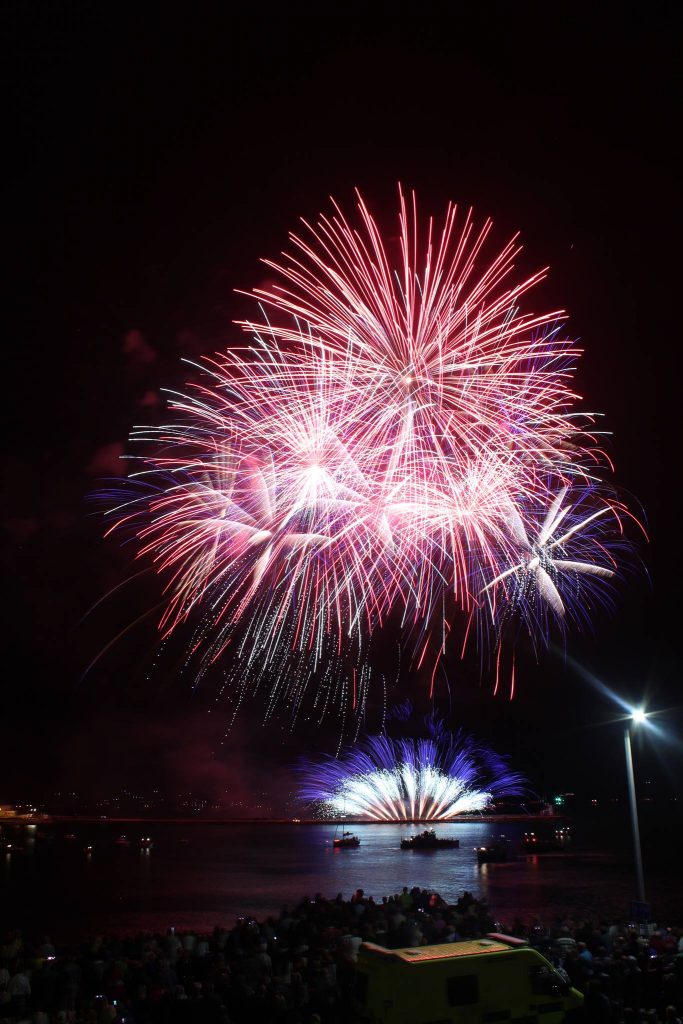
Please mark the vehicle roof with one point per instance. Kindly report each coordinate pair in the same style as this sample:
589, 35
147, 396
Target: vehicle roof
447, 951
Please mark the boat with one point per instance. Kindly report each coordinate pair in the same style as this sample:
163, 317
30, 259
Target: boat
545, 842
122, 841
498, 851
87, 849
346, 839
428, 840
70, 836
146, 843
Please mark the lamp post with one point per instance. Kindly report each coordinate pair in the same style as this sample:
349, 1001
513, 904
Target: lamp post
637, 718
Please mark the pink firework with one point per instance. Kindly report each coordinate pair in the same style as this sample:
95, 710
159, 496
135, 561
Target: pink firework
449, 368
382, 448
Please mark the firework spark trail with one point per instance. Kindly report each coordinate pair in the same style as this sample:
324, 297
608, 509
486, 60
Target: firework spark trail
449, 366
428, 779
381, 448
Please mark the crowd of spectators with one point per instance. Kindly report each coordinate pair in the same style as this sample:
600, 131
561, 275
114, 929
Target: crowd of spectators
298, 967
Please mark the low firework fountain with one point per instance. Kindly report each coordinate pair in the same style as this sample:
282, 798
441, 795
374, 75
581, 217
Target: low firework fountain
434, 778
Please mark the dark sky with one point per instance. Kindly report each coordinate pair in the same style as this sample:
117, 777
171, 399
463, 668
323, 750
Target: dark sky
153, 161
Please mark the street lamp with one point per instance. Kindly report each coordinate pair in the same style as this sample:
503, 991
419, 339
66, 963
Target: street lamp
638, 717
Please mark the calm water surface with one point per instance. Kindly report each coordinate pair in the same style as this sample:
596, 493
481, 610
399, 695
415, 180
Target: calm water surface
202, 875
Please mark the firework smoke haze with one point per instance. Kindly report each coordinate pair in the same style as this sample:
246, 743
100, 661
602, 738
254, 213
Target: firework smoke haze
395, 441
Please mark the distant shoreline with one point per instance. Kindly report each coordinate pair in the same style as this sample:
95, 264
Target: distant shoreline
63, 819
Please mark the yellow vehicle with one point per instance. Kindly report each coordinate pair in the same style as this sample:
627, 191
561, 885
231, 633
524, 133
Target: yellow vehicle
480, 981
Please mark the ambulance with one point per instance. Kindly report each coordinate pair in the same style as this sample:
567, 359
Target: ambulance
494, 980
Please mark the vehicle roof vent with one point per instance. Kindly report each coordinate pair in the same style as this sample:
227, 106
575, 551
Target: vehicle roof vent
509, 940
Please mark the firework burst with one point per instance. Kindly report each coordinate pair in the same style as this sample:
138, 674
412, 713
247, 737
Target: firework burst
435, 778
379, 450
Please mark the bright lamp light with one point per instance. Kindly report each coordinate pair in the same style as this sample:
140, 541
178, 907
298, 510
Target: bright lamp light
638, 716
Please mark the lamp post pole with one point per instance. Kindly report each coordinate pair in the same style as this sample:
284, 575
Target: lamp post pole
634, 815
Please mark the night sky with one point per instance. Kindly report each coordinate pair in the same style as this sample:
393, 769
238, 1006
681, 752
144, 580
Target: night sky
152, 162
